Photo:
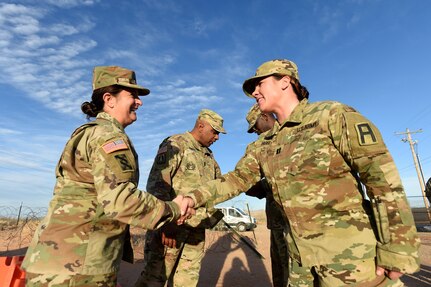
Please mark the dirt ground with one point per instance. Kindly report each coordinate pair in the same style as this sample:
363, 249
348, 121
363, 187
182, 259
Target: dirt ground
230, 262
227, 261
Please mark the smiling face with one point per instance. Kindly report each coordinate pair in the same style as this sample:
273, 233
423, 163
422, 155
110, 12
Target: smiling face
123, 106
267, 93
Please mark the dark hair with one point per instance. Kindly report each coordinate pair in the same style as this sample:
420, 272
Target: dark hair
91, 109
300, 91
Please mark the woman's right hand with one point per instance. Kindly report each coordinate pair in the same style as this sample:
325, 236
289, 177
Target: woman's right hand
186, 205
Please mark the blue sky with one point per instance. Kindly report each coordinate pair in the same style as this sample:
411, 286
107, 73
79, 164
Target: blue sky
371, 54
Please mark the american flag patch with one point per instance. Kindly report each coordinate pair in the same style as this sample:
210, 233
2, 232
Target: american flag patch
114, 146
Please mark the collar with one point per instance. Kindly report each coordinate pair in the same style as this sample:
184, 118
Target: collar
107, 117
294, 119
196, 144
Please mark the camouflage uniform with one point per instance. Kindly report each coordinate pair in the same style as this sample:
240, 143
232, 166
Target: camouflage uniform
275, 221
428, 190
181, 165
313, 161
95, 200
278, 248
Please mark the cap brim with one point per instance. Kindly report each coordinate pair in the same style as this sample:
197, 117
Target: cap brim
250, 84
250, 127
141, 90
222, 131
219, 129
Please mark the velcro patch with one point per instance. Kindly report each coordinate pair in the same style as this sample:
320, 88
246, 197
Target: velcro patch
366, 135
114, 146
124, 162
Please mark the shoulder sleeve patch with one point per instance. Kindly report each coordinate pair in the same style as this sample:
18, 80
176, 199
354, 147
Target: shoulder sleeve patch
115, 145
366, 135
124, 162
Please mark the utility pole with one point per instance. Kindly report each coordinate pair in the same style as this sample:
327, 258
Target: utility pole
417, 165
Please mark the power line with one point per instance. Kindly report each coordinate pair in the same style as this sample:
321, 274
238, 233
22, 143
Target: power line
417, 164
418, 117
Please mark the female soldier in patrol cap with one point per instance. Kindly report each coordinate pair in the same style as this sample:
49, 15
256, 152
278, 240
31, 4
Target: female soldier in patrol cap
80, 241
316, 158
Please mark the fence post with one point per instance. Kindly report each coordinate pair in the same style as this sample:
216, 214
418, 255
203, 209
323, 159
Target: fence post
19, 214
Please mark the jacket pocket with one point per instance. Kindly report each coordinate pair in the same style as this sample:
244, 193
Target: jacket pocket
381, 219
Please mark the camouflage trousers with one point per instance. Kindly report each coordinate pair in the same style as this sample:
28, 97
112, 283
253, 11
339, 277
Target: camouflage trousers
75, 280
279, 258
177, 267
354, 273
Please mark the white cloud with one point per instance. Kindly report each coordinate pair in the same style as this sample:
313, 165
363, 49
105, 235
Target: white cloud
35, 41
6, 132
63, 29
40, 56
71, 3
19, 161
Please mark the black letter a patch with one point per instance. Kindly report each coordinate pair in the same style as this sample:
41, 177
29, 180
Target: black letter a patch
365, 133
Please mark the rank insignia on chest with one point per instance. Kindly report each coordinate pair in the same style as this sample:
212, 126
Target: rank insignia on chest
190, 166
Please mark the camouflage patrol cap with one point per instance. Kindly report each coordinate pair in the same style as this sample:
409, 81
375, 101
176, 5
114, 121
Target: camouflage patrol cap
280, 67
214, 119
252, 116
104, 76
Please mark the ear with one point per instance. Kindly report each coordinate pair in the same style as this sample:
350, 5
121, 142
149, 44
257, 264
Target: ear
201, 125
109, 99
285, 82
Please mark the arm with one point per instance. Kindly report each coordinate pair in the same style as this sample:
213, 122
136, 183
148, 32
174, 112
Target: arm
245, 175
165, 166
362, 146
167, 175
115, 180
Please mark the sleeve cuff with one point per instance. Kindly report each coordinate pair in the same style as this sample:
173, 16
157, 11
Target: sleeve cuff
175, 210
194, 195
399, 262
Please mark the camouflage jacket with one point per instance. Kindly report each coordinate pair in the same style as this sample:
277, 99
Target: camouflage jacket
274, 213
313, 161
95, 198
181, 165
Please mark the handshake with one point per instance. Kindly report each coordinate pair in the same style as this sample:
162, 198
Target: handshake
186, 205
169, 231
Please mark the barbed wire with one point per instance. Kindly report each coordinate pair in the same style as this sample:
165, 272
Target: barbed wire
18, 224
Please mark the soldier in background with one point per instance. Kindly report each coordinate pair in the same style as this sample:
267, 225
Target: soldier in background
260, 123
80, 241
428, 190
183, 163
313, 159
